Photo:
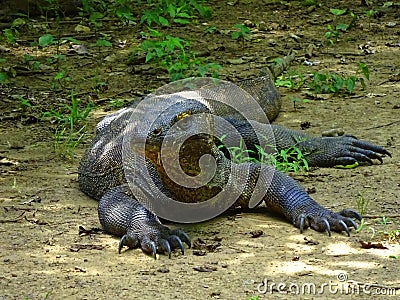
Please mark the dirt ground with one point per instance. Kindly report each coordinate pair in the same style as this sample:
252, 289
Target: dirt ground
44, 256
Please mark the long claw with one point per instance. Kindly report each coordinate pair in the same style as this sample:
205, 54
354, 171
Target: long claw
327, 226
350, 214
176, 241
183, 236
372, 147
154, 249
121, 243
165, 246
301, 225
345, 228
353, 223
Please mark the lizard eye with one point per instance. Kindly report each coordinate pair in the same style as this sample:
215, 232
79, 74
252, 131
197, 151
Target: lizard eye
182, 119
156, 131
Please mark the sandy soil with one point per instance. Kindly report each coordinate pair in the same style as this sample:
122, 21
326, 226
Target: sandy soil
43, 256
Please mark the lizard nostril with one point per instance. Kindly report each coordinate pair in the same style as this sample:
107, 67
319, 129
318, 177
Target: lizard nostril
157, 131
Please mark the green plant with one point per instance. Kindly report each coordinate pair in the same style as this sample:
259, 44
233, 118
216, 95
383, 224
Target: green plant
173, 54
297, 100
176, 14
241, 34
65, 141
174, 11
285, 160
24, 103
337, 12
362, 226
153, 16
103, 42
383, 221
3, 75
3, 78
31, 62
335, 83
293, 80
210, 29
365, 71
123, 11
116, 103
71, 114
12, 33
60, 79
49, 6
70, 127
370, 13
46, 40
392, 235
362, 204
333, 32
238, 154
96, 10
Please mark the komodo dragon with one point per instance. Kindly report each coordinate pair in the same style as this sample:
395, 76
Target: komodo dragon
102, 177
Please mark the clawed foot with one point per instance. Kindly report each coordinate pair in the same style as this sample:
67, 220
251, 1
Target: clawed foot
158, 239
345, 150
362, 151
322, 219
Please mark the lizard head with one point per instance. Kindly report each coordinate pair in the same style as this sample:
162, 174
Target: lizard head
169, 122
186, 118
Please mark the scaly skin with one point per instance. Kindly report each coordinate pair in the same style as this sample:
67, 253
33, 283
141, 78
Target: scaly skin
102, 177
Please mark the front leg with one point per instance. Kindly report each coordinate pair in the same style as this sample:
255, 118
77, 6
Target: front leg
340, 151
318, 151
122, 215
286, 196
344, 150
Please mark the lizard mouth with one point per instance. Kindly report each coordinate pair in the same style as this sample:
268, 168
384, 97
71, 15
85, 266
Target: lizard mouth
188, 153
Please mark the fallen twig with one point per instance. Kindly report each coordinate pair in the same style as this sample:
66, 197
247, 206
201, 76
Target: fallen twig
384, 125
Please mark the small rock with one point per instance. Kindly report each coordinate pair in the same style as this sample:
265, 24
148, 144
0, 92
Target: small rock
272, 42
256, 233
262, 25
391, 24
294, 36
248, 23
205, 268
111, 58
199, 252
310, 241
78, 49
310, 50
237, 61
333, 132
311, 190
305, 125
163, 270
80, 28
145, 272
